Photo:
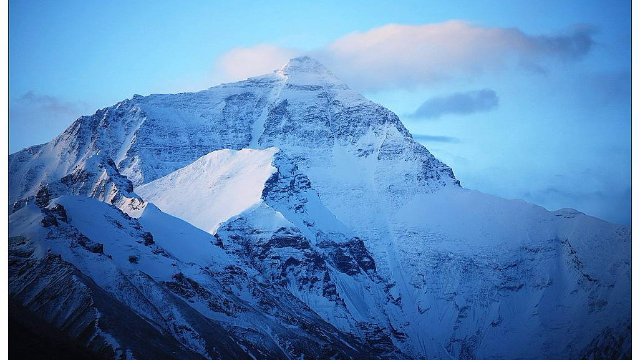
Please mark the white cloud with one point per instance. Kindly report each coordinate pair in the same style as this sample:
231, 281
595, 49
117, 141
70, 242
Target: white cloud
243, 62
404, 56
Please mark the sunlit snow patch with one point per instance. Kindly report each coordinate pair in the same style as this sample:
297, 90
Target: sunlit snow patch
213, 188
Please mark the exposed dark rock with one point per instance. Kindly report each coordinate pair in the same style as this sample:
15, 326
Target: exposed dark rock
148, 238
59, 212
49, 220
90, 245
20, 204
351, 257
43, 197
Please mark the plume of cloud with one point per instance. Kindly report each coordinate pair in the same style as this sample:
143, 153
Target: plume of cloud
458, 103
405, 56
50, 105
243, 62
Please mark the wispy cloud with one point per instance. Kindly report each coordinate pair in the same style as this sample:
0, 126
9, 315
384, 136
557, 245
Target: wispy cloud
34, 117
404, 56
458, 103
48, 104
244, 62
435, 138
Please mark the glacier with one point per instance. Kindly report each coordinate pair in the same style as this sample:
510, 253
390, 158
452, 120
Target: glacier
287, 216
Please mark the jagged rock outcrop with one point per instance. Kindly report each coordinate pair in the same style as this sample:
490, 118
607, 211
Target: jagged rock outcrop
207, 307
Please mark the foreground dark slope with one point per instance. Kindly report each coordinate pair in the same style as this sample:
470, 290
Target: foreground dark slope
378, 250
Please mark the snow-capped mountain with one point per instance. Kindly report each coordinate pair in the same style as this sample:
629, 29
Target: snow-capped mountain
288, 216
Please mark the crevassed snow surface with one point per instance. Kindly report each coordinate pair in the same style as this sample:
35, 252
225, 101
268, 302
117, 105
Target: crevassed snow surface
213, 188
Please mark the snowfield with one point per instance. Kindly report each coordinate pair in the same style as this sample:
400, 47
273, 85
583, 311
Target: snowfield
213, 188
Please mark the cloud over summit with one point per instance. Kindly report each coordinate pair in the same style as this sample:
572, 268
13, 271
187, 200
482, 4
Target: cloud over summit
405, 56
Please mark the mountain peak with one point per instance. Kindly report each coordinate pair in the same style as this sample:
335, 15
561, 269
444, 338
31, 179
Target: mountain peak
304, 64
307, 70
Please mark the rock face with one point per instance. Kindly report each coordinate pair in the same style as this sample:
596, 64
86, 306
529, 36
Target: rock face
306, 223
76, 273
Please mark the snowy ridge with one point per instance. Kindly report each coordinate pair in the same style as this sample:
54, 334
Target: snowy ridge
213, 188
208, 303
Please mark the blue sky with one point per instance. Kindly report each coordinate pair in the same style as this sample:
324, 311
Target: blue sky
523, 99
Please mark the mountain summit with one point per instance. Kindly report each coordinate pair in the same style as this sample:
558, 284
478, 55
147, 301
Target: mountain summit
307, 71
304, 64
287, 216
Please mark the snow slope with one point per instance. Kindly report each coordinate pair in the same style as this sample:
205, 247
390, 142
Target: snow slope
172, 276
523, 259
213, 188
